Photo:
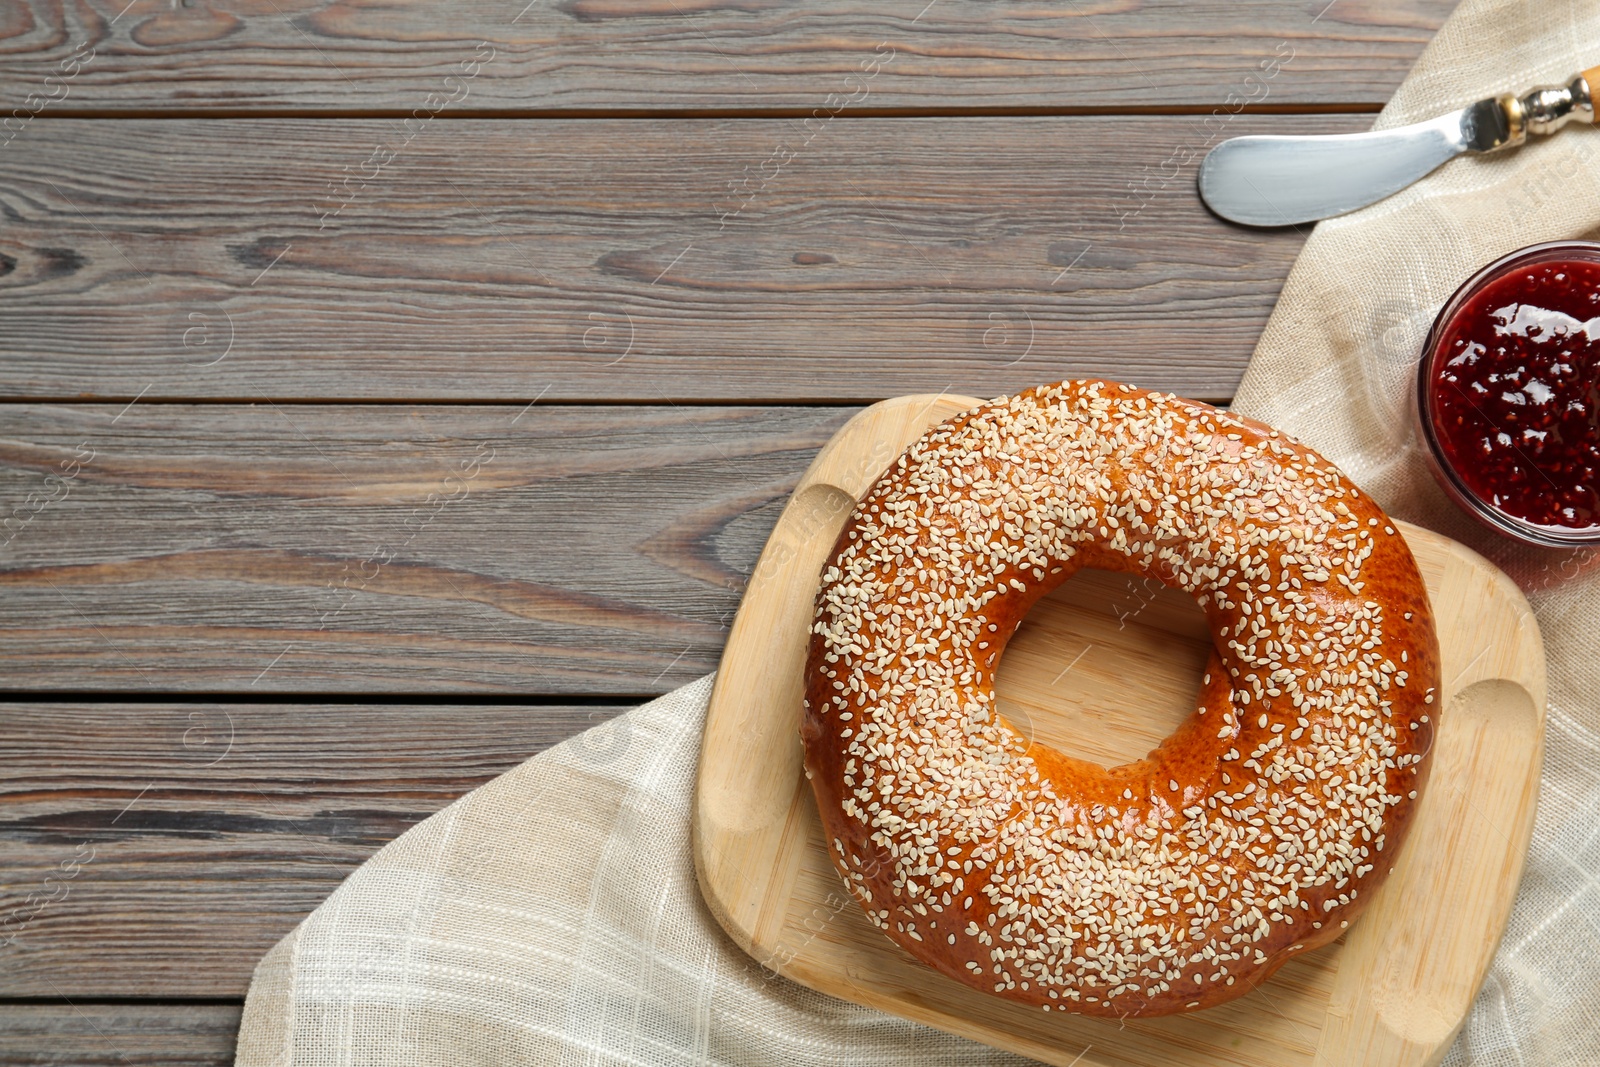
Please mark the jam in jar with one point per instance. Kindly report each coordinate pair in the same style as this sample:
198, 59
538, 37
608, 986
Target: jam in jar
1509, 394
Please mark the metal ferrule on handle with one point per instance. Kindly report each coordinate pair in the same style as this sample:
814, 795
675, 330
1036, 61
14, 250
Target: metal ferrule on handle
1548, 109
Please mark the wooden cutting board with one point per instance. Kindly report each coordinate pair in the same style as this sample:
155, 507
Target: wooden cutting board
1105, 668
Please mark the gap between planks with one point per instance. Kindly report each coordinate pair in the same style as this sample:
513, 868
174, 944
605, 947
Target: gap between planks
487, 402
621, 701
753, 113
114, 1002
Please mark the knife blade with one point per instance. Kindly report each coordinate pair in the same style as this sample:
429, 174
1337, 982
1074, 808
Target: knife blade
1285, 180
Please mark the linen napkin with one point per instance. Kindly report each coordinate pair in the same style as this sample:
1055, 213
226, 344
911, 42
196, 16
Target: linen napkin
552, 915
1334, 367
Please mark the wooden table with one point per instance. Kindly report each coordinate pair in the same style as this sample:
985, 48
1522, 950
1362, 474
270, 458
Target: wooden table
393, 390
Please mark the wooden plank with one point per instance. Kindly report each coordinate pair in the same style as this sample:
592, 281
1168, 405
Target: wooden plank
377, 548
589, 54
178, 858
118, 1035
589, 260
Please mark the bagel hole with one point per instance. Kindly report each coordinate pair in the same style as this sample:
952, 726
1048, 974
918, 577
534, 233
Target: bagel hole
1106, 667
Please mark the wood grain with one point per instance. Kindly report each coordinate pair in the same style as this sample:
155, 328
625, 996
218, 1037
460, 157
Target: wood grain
1390, 993
383, 549
815, 255
702, 54
177, 858
611, 260
118, 1035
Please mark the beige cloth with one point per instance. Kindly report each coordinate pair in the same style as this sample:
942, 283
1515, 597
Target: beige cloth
1334, 367
551, 916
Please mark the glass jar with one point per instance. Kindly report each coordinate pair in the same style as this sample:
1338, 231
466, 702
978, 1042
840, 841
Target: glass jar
1508, 395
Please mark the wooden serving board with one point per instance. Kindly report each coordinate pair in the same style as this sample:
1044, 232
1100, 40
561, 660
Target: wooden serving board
1105, 667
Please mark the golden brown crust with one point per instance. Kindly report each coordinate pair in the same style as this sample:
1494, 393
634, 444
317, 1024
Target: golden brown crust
1257, 831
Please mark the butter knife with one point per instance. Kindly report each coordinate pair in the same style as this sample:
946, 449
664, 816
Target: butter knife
1281, 181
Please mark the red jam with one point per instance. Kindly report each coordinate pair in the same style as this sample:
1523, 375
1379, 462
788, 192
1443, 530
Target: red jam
1513, 379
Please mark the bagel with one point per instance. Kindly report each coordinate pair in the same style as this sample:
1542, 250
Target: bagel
1257, 831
